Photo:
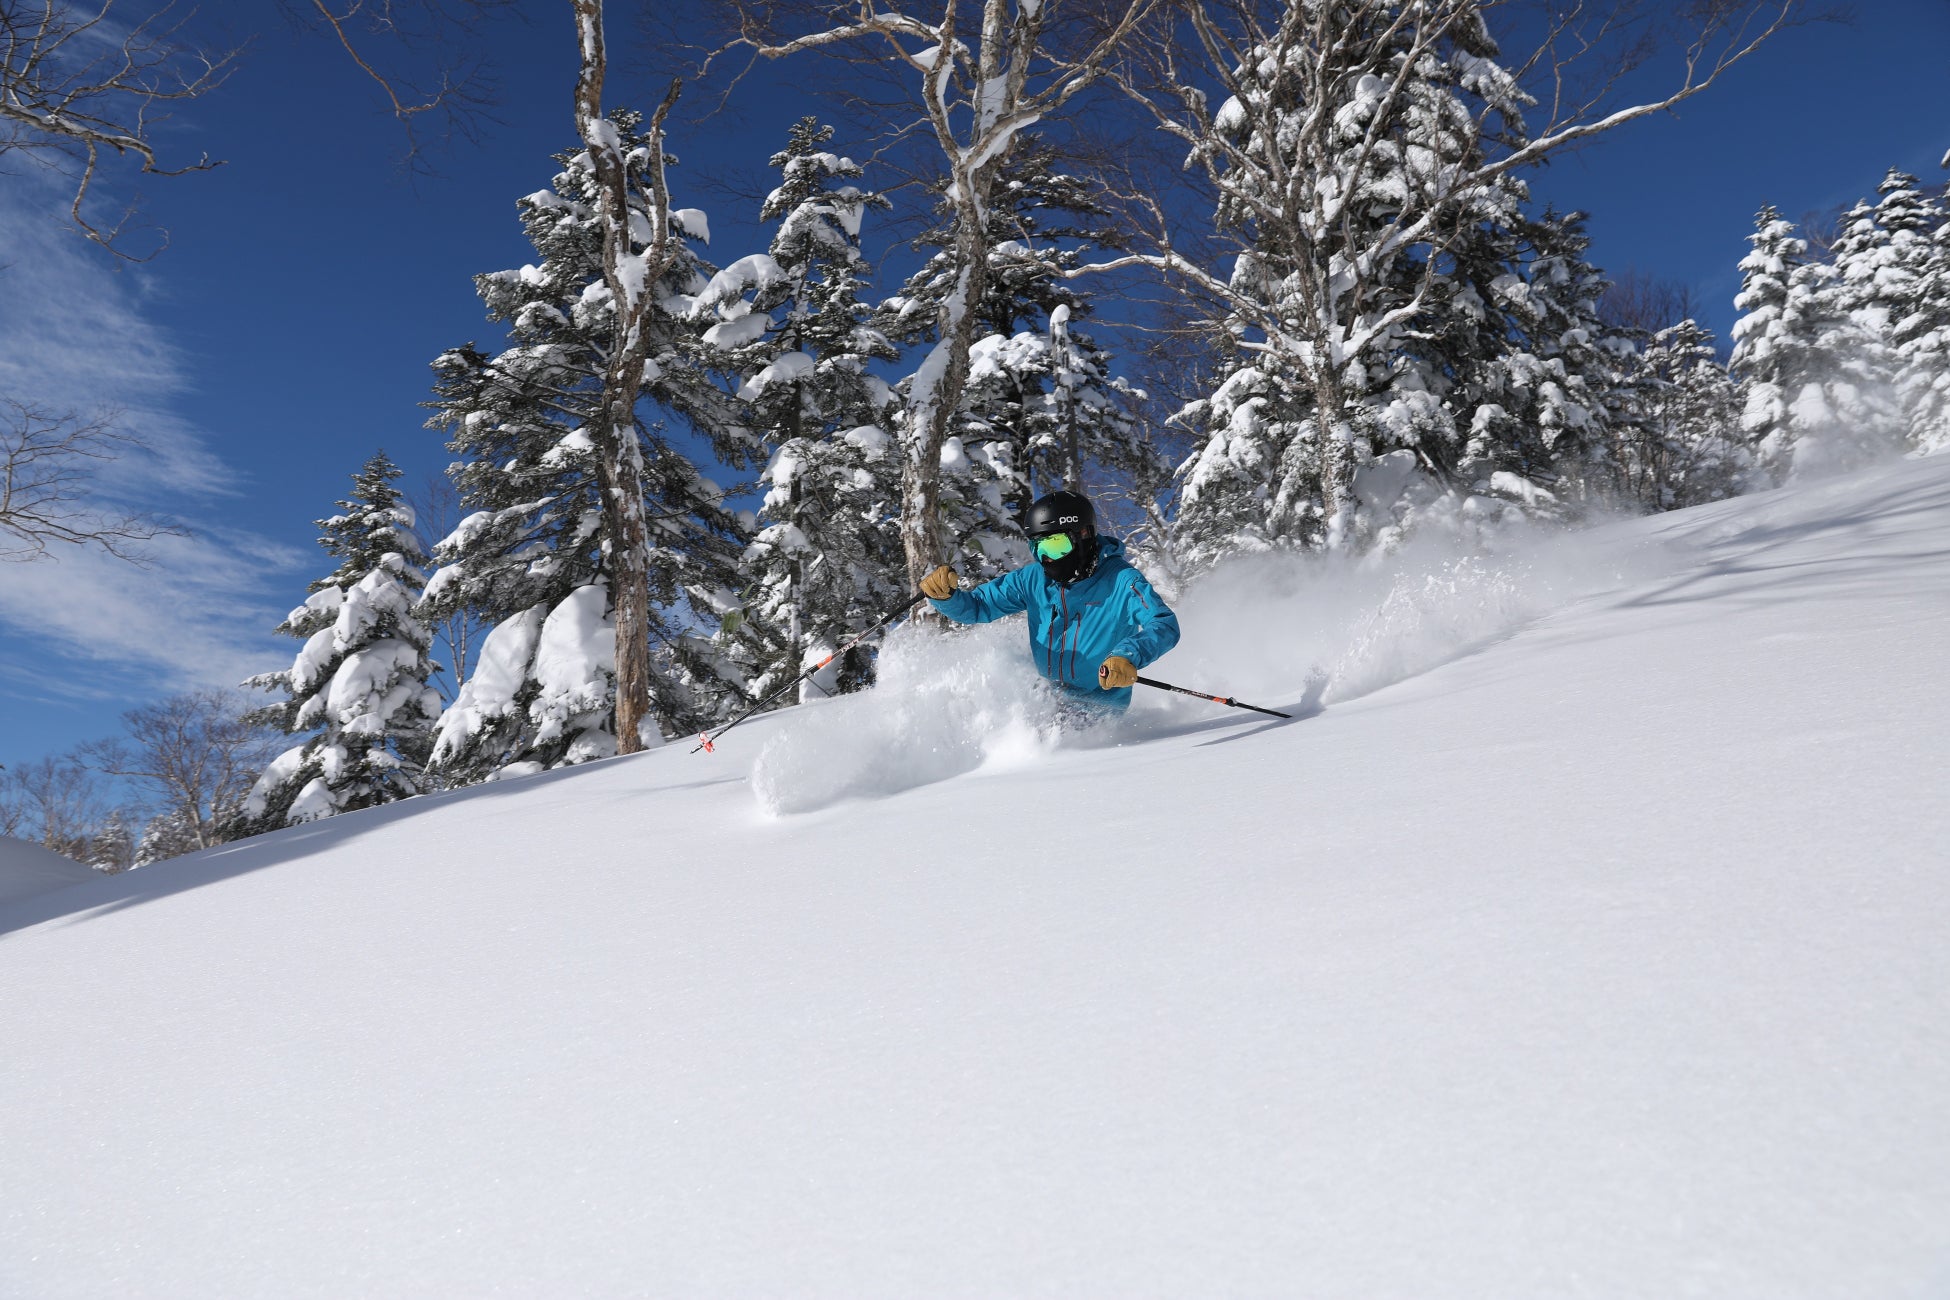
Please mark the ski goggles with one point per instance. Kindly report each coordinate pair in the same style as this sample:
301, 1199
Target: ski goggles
1054, 546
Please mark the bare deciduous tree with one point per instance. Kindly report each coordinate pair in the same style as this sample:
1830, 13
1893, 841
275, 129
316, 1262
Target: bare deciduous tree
77, 84
421, 54
1289, 179
1639, 300
1020, 64
14, 812
57, 801
637, 252
195, 753
47, 466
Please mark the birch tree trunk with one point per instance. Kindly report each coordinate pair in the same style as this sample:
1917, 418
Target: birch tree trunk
976, 100
932, 402
631, 277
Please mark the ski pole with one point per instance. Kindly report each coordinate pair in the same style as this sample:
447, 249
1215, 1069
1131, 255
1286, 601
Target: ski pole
1226, 700
706, 739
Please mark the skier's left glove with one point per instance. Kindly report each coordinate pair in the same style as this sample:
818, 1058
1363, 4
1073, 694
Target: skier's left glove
1117, 671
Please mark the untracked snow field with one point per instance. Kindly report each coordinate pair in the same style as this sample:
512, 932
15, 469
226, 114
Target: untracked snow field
1588, 936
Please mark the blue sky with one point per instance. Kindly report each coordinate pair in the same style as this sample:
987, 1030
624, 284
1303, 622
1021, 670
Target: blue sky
287, 330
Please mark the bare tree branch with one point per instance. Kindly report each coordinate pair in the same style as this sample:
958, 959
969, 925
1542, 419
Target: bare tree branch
197, 753
48, 464
1646, 303
422, 55
77, 86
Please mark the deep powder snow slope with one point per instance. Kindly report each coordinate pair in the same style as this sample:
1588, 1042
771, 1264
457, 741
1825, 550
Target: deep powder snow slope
1587, 939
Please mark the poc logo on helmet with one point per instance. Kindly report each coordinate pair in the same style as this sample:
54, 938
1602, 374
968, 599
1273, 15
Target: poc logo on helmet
1067, 519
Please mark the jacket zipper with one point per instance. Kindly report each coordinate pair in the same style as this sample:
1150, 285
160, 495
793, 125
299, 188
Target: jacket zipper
1067, 633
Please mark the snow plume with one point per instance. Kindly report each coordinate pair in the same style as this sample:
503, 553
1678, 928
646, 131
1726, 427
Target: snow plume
943, 706
1286, 628
1288, 631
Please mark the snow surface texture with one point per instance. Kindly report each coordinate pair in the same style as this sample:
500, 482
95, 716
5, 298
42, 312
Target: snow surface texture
1587, 940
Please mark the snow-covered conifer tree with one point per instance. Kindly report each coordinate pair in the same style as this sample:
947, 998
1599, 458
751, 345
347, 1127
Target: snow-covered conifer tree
1257, 413
1894, 262
112, 848
827, 559
1923, 341
1819, 385
532, 557
360, 683
166, 835
1551, 401
1687, 447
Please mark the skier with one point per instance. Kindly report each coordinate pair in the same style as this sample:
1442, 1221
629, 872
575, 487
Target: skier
1093, 619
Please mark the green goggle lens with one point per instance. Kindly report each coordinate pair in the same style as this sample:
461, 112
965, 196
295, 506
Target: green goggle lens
1054, 547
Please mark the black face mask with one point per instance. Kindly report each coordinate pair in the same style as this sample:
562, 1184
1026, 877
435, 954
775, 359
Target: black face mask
1080, 563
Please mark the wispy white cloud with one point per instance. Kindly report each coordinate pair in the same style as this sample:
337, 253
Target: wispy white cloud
198, 615
75, 335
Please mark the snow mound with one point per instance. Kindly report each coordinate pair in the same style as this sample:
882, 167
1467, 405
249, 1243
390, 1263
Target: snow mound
27, 869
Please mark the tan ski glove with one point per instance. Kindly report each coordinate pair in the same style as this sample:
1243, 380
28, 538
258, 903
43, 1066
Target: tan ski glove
941, 584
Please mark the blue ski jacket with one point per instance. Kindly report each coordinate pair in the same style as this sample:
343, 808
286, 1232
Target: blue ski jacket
1073, 629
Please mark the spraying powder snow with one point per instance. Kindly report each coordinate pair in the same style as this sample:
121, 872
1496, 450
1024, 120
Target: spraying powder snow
943, 706
1290, 632
1267, 625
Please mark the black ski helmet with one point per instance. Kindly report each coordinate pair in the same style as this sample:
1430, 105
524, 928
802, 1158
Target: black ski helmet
1065, 512
1061, 512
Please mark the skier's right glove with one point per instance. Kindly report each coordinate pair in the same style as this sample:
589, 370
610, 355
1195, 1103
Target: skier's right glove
940, 584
